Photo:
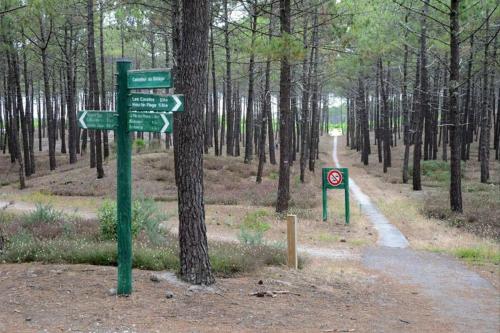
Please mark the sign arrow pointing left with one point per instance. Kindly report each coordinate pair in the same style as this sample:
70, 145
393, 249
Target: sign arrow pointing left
82, 119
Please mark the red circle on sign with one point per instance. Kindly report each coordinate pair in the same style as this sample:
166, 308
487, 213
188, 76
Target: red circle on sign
334, 177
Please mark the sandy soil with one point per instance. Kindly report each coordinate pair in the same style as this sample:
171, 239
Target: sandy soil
55, 298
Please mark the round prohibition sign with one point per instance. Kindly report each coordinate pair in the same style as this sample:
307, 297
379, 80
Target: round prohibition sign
334, 177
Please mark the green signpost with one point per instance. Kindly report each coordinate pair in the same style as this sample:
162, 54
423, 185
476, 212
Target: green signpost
105, 120
338, 179
124, 182
124, 121
138, 121
150, 122
149, 79
152, 102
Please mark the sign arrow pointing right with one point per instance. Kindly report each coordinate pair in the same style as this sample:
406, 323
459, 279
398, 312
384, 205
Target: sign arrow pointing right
165, 120
178, 103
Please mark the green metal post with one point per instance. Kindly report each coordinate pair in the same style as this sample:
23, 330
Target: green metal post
346, 193
124, 183
325, 197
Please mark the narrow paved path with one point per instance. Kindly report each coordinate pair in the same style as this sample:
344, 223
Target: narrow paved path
457, 293
388, 235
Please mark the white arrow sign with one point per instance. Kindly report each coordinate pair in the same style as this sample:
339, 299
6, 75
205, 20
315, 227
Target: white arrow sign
82, 119
178, 103
165, 120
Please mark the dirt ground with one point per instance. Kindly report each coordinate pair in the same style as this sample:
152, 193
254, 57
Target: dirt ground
56, 298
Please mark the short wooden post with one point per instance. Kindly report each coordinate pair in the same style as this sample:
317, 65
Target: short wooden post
292, 241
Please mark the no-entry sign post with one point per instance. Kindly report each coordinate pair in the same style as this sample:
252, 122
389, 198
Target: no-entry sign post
337, 179
134, 112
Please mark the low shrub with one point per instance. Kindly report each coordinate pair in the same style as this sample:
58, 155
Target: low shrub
44, 213
435, 170
145, 217
227, 259
478, 255
253, 228
139, 145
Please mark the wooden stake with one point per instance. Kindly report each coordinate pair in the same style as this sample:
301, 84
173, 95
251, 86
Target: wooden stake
292, 241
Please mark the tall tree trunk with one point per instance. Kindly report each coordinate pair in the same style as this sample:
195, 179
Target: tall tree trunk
70, 96
63, 86
386, 134
469, 112
32, 125
406, 110
48, 111
28, 119
188, 131
267, 96
314, 141
17, 109
455, 117
378, 128
40, 120
237, 119
444, 118
228, 94
215, 99
423, 100
304, 137
223, 118
262, 139
250, 110
285, 78
363, 111
93, 84
21, 115
484, 137
103, 76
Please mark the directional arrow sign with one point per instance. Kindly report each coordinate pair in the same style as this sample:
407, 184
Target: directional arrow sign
104, 120
150, 122
152, 102
149, 79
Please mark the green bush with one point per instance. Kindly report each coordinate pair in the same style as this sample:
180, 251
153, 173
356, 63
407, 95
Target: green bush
44, 214
145, 216
139, 145
253, 228
435, 170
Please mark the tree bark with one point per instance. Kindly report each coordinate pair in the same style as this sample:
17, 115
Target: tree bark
285, 78
228, 93
188, 134
250, 110
304, 137
215, 99
406, 110
363, 111
93, 84
423, 101
455, 117
484, 137
103, 88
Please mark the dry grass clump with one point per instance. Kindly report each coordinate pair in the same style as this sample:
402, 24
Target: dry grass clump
481, 210
49, 236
